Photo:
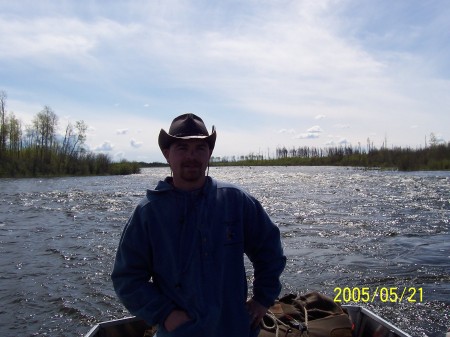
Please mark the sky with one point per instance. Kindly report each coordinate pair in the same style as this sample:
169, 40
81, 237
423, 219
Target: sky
266, 73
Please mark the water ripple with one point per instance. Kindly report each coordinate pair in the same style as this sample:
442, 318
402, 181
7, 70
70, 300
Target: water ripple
340, 227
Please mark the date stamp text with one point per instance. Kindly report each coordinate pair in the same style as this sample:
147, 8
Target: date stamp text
383, 294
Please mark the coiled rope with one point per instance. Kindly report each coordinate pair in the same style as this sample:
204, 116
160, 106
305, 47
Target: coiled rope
277, 323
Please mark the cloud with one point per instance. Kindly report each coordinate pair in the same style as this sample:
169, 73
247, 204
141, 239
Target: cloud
340, 142
105, 147
341, 126
312, 133
309, 135
73, 36
305, 60
122, 131
439, 139
136, 144
315, 129
286, 131
343, 141
233, 64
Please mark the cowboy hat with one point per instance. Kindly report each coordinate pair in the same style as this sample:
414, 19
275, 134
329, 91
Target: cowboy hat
187, 126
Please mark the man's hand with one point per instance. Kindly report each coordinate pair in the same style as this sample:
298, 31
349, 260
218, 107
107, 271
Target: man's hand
175, 319
256, 312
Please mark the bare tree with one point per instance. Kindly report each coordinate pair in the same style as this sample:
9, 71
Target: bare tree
433, 140
74, 138
15, 135
3, 122
45, 124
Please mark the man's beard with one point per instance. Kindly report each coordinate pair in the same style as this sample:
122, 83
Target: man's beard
192, 171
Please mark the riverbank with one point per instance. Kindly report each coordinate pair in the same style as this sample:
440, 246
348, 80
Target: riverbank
93, 166
435, 158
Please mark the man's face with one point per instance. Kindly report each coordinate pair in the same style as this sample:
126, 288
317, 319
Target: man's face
188, 160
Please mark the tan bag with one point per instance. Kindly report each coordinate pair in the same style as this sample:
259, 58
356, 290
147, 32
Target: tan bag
309, 315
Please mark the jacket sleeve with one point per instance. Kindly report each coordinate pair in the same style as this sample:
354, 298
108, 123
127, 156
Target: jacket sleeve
263, 248
132, 273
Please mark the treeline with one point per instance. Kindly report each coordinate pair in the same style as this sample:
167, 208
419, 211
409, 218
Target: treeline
38, 150
433, 157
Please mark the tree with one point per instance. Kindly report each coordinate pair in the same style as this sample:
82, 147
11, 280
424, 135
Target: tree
3, 123
15, 135
45, 124
74, 138
38, 151
433, 140
81, 128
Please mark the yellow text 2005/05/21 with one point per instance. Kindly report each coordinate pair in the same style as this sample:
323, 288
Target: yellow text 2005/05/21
383, 294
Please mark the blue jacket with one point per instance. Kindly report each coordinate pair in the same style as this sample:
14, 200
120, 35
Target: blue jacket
186, 250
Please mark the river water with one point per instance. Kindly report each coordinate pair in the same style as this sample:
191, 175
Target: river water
341, 228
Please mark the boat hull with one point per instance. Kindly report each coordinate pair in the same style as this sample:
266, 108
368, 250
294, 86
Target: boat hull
366, 323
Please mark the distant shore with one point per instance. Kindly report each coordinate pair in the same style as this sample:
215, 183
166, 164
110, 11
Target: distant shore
433, 158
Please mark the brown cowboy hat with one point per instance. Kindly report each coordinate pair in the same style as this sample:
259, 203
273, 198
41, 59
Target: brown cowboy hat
187, 126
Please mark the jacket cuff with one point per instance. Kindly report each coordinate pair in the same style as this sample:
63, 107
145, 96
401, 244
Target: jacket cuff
164, 313
265, 302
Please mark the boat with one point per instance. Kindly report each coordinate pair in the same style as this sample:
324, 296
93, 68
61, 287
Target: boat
366, 323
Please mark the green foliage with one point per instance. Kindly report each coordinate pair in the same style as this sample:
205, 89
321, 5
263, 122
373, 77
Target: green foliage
435, 157
39, 152
124, 167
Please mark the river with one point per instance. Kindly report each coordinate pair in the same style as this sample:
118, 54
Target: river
382, 232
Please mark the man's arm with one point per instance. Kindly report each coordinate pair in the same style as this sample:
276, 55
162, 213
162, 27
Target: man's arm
264, 249
132, 275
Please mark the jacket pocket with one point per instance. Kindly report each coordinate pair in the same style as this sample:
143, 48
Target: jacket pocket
233, 234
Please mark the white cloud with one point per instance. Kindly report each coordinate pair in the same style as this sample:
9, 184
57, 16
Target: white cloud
105, 147
122, 131
337, 141
305, 60
343, 141
309, 135
440, 139
289, 131
312, 133
341, 126
315, 129
63, 36
136, 144
147, 140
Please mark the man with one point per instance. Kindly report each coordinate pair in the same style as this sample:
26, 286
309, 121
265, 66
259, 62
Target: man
180, 260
